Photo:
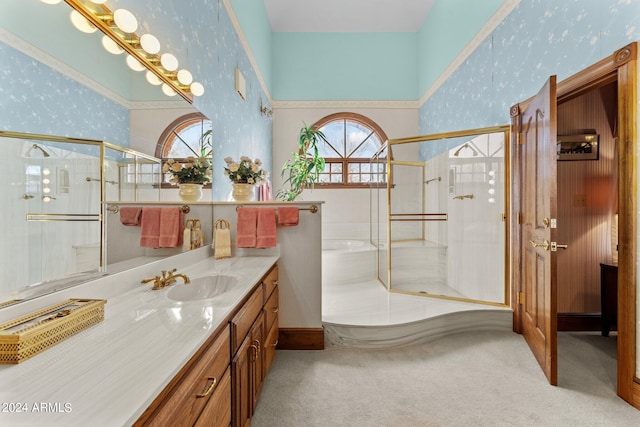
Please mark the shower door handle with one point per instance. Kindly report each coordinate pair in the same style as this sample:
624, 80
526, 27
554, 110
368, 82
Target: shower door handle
555, 246
544, 244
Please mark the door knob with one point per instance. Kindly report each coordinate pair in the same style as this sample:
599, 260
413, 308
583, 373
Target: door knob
544, 244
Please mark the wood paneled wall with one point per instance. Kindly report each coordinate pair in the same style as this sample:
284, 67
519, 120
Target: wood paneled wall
585, 225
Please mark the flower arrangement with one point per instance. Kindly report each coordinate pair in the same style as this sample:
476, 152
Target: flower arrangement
191, 171
245, 171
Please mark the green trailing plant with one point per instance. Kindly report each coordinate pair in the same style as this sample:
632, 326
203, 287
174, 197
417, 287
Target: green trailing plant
303, 170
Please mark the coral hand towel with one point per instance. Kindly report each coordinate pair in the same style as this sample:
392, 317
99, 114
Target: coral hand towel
246, 227
266, 230
150, 228
171, 228
130, 215
288, 215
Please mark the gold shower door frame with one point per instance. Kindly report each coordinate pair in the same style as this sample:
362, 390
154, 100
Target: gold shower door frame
424, 217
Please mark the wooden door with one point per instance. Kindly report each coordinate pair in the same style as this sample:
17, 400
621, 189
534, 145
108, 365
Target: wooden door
538, 309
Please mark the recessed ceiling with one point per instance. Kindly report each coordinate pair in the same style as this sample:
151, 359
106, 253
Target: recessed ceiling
322, 16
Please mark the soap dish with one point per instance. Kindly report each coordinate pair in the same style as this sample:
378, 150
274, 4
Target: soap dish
33, 333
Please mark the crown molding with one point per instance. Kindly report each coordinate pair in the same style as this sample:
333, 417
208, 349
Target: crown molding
245, 45
346, 104
495, 20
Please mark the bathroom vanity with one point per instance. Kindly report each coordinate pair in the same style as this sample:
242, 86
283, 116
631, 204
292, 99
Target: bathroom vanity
159, 355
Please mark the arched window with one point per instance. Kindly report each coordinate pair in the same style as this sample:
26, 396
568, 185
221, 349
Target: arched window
187, 136
350, 140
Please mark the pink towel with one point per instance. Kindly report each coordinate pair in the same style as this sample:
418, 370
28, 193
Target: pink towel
264, 191
246, 227
288, 215
171, 228
150, 228
130, 216
266, 229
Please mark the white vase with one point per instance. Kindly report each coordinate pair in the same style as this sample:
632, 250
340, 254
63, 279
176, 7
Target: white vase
190, 192
243, 192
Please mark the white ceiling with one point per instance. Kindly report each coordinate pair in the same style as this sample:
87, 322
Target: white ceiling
347, 15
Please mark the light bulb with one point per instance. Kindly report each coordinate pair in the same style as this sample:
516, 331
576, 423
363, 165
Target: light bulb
153, 79
492, 173
110, 46
99, 1
150, 44
46, 181
169, 62
46, 190
51, 1
81, 23
125, 20
46, 199
196, 88
167, 90
46, 171
134, 64
492, 200
492, 191
185, 77
492, 182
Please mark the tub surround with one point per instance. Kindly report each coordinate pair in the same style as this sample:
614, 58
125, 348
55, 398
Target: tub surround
111, 372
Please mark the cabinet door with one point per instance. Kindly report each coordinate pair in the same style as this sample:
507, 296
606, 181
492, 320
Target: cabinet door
257, 338
217, 412
241, 373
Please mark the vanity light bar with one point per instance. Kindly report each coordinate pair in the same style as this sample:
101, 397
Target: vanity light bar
103, 18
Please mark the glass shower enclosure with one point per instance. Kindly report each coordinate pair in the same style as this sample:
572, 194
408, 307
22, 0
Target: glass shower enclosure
439, 224
54, 194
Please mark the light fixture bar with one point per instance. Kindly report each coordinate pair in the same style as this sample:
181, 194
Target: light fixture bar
149, 61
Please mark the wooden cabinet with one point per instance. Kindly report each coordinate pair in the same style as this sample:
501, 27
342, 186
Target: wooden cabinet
220, 385
183, 403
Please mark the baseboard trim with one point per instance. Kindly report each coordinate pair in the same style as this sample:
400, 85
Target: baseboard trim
300, 339
579, 322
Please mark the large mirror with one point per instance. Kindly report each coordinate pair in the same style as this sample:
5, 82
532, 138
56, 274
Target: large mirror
32, 32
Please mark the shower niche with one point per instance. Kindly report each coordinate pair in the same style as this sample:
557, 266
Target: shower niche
439, 225
54, 192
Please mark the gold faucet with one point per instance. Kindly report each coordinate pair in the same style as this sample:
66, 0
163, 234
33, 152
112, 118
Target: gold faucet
166, 279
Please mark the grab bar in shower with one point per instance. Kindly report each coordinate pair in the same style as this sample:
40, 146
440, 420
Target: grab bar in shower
433, 179
419, 217
89, 179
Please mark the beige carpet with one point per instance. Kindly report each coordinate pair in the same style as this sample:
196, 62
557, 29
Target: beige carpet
467, 379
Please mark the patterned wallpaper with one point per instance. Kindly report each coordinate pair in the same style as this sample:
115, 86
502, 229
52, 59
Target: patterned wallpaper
35, 99
538, 39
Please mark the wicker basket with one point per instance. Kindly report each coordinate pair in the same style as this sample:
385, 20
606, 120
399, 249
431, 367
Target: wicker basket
33, 333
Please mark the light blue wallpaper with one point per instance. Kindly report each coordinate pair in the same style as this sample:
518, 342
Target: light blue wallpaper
538, 39
36, 99
204, 40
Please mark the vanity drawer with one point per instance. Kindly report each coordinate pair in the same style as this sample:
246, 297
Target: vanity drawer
217, 412
184, 403
241, 322
270, 281
271, 308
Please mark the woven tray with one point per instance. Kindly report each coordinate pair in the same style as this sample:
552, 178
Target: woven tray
33, 333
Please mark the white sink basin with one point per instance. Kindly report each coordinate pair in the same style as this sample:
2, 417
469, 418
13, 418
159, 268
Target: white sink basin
216, 287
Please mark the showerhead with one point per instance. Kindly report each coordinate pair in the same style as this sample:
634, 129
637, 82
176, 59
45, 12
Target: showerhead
457, 153
37, 147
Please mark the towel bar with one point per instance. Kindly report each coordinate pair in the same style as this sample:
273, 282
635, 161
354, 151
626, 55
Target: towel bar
312, 208
114, 209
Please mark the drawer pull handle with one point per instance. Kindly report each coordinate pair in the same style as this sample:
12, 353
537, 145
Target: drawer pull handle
210, 389
253, 356
275, 344
258, 346
275, 310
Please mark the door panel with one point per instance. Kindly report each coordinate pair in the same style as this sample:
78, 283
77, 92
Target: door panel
537, 208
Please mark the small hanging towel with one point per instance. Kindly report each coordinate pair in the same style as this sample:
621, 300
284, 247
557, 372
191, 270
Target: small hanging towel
221, 239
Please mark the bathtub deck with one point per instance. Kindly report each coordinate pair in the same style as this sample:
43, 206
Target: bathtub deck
358, 311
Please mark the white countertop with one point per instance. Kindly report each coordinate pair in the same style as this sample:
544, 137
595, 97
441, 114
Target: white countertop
108, 375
